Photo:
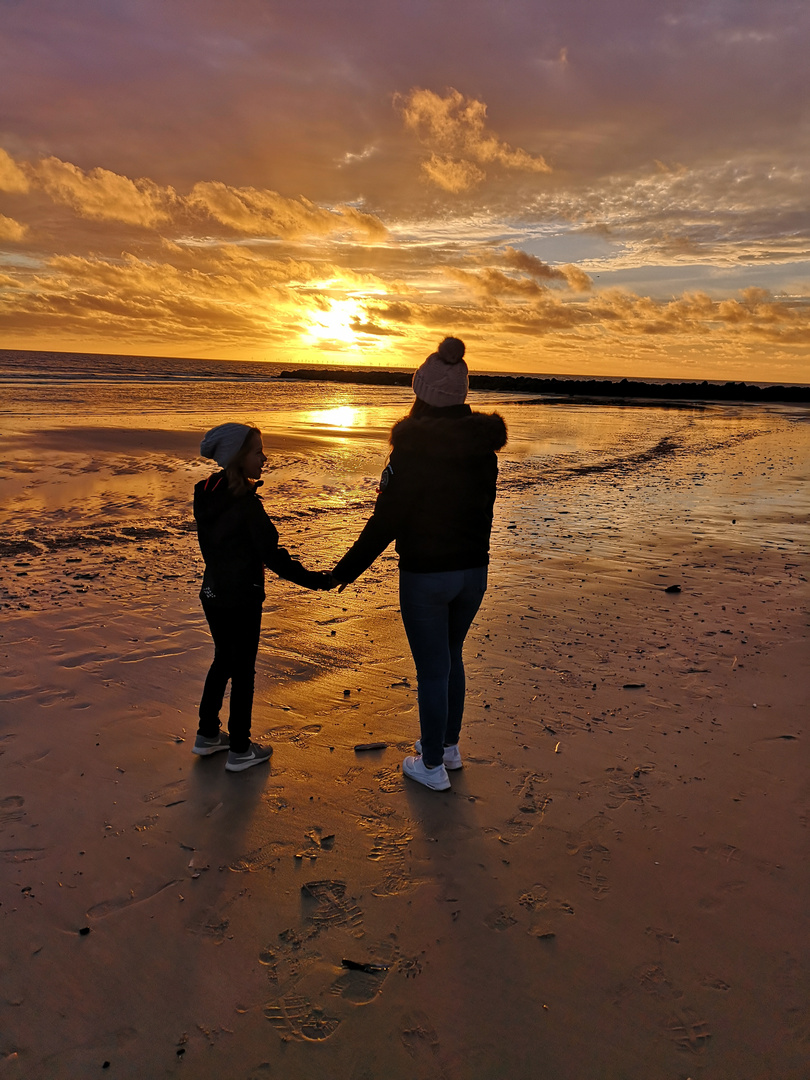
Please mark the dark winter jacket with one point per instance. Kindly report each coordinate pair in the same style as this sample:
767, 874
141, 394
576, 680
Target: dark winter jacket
436, 494
238, 540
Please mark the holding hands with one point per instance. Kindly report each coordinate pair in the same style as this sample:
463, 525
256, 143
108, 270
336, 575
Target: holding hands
325, 581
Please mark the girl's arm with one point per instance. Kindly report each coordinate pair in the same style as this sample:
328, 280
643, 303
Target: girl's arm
380, 529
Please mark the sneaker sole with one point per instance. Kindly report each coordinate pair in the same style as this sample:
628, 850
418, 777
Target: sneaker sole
421, 780
208, 750
240, 766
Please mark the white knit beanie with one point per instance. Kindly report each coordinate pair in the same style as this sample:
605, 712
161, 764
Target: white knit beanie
224, 442
443, 378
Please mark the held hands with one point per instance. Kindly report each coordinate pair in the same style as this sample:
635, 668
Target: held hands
328, 582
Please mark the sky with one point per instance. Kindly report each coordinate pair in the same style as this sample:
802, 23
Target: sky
592, 187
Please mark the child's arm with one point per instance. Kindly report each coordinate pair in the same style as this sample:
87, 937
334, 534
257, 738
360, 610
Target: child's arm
283, 564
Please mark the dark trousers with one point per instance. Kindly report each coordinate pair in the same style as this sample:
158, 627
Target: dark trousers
236, 641
437, 611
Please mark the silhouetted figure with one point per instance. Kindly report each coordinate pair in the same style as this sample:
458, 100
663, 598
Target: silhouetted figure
237, 540
435, 501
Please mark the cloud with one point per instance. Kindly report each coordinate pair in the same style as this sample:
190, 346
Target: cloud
454, 129
12, 177
258, 212
533, 280
11, 230
103, 195
574, 277
494, 283
374, 329
453, 176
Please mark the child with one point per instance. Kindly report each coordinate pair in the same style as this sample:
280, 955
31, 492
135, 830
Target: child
237, 540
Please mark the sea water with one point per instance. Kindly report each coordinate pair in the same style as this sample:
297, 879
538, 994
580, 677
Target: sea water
104, 443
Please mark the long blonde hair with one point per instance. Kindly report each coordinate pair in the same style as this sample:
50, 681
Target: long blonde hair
238, 483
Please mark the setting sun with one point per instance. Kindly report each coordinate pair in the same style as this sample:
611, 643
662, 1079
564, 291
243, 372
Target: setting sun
336, 323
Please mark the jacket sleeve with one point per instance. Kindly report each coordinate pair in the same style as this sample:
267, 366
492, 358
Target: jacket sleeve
265, 537
380, 529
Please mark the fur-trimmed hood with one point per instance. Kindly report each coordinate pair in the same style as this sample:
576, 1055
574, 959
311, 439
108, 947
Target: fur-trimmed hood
458, 436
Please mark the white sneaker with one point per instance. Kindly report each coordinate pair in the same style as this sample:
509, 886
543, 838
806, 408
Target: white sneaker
435, 779
452, 755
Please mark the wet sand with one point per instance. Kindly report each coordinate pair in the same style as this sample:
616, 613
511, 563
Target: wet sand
615, 887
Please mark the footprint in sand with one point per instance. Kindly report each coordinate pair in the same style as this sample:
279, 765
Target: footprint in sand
685, 1027
389, 780
653, 979
170, 795
359, 987
268, 959
286, 963
624, 791
537, 902
409, 966
533, 801
296, 735
296, 1018
500, 919
534, 898
689, 1033
303, 734
592, 872
260, 858
333, 907
350, 776
11, 810
418, 1034
390, 849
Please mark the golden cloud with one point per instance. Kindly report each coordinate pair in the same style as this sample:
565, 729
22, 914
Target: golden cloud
257, 212
103, 195
453, 176
12, 177
11, 229
454, 129
576, 279
494, 283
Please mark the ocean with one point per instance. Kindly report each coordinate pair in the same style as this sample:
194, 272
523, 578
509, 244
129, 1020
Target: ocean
100, 446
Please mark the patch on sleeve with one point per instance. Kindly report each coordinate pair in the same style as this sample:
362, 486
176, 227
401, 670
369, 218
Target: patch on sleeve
388, 472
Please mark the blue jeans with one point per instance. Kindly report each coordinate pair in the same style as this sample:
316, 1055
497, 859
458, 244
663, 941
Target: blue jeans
437, 611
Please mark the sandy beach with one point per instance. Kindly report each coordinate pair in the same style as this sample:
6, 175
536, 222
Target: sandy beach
615, 888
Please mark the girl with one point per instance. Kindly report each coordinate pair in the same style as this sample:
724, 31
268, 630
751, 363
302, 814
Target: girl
237, 540
436, 498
